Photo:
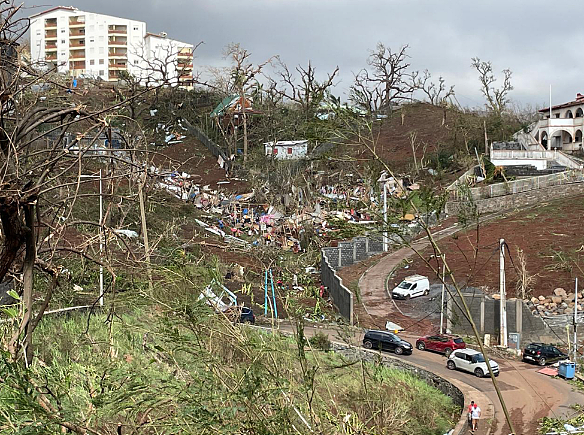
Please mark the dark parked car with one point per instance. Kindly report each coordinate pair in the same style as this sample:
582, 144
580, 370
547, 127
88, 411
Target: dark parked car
247, 315
386, 341
443, 343
543, 354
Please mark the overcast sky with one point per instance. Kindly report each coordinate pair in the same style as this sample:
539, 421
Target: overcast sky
539, 41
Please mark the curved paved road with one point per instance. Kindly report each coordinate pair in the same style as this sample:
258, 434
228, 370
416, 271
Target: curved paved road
529, 395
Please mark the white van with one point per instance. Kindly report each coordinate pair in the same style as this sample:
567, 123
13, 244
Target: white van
412, 286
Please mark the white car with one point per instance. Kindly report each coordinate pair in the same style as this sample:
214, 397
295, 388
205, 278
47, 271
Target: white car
412, 286
471, 361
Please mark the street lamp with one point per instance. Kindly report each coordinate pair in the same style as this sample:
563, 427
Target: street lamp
383, 180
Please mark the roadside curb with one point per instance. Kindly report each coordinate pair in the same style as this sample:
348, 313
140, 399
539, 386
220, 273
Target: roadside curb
487, 407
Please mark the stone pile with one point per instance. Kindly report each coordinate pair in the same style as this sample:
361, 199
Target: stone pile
559, 302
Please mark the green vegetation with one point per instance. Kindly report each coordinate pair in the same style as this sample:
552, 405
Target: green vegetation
187, 370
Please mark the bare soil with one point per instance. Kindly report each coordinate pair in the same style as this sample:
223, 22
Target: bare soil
192, 157
432, 130
550, 236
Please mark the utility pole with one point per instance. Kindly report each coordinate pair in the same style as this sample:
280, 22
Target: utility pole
502, 293
385, 239
575, 318
100, 240
442, 298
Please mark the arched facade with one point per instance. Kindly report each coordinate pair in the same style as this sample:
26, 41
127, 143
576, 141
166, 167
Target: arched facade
561, 139
563, 127
544, 139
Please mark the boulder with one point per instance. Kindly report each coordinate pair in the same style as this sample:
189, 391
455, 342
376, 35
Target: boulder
552, 305
560, 292
569, 311
535, 301
540, 308
570, 296
546, 301
541, 298
557, 299
571, 304
563, 305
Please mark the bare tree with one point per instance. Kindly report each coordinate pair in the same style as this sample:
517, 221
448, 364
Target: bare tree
161, 64
308, 92
243, 79
436, 92
387, 80
497, 98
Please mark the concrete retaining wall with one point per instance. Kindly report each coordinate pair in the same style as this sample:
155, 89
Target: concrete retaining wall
485, 312
342, 297
515, 200
345, 254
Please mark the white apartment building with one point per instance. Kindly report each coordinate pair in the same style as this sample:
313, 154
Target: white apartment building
86, 44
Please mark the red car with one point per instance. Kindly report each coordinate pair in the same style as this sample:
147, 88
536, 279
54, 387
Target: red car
443, 343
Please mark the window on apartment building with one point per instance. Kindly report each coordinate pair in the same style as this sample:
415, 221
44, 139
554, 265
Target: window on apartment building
101, 38
92, 62
91, 28
91, 50
62, 30
91, 40
557, 115
136, 62
135, 27
101, 72
62, 41
62, 53
38, 33
101, 61
100, 50
289, 150
275, 150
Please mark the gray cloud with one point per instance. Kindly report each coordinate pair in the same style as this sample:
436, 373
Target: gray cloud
540, 41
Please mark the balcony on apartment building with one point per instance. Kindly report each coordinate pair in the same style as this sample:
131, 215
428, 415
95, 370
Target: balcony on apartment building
78, 21
117, 54
185, 54
51, 23
50, 47
117, 40
113, 75
51, 34
76, 33
77, 43
117, 29
77, 65
116, 66
76, 54
184, 65
51, 56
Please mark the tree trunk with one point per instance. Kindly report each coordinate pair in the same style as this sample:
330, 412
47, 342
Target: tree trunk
14, 234
28, 279
244, 127
141, 184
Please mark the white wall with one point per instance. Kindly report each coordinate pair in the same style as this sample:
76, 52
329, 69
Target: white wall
96, 42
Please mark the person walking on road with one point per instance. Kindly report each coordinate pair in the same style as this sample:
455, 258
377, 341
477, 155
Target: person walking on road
475, 414
470, 413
